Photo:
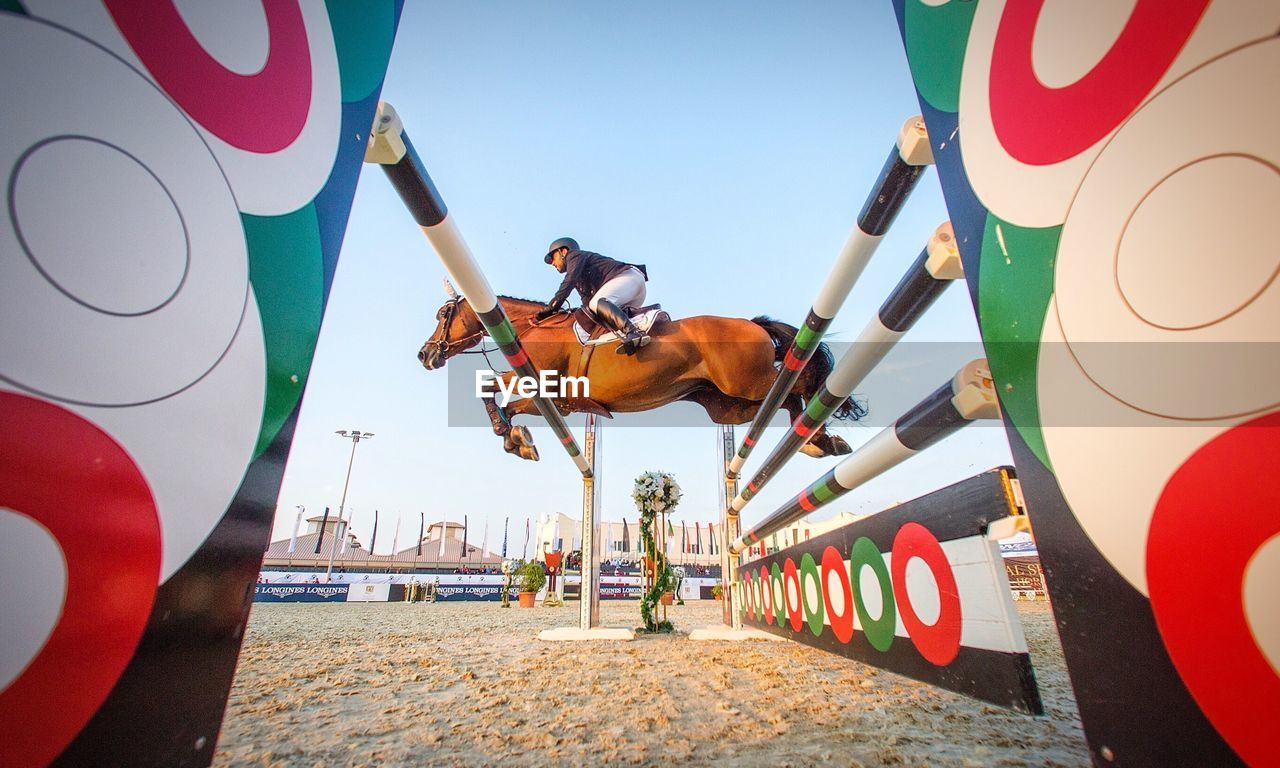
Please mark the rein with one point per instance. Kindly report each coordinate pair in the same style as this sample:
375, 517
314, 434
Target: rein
443, 344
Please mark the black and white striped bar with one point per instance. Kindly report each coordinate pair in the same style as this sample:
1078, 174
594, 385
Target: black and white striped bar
935, 268
389, 146
906, 162
970, 395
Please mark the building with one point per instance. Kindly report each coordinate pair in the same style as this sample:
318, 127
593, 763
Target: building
441, 547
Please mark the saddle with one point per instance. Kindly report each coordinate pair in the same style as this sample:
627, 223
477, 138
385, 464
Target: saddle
591, 333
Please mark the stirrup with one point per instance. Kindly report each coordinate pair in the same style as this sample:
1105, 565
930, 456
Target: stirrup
632, 342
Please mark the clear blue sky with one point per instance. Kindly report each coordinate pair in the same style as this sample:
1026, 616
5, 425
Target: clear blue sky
727, 145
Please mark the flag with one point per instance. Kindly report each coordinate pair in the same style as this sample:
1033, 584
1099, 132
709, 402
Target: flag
373, 540
342, 536
395, 537
524, 552
323, 524
697, 538
293, 541
506, 523
626, 536
484, 540
711, 538
422, 521
464, 538
444, 528
556, 545
684, 538
671, 537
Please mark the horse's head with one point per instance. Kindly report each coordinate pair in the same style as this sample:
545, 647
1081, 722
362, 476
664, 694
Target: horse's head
458, 329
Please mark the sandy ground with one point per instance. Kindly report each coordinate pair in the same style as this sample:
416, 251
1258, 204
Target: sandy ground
468, 684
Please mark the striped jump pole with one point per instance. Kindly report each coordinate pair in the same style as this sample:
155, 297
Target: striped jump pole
969, 396
389, 146
906, 162
935, 268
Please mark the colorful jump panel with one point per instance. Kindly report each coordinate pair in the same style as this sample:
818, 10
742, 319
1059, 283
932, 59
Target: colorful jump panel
918, 590
1113, 198
172, 231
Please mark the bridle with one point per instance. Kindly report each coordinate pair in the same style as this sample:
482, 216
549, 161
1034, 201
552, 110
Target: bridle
443, 344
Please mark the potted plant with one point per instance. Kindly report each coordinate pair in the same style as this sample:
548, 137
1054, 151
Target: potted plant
532, 578
717, 592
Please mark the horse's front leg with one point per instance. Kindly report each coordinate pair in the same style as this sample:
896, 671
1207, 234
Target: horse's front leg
515, 440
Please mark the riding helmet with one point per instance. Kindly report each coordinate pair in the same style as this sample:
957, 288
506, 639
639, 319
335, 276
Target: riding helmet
564, 242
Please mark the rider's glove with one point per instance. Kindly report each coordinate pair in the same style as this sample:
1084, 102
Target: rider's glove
544, 313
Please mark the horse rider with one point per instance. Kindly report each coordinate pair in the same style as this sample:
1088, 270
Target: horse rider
606, 286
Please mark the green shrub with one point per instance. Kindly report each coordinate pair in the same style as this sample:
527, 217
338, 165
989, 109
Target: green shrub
532, 577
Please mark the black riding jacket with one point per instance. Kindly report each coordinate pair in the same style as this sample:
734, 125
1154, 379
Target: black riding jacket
586, 272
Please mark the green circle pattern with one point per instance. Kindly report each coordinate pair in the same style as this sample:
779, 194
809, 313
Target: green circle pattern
880, 631
814, 614
779, 588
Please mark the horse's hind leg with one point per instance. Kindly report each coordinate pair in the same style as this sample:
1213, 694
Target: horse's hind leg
722, 408
823, 443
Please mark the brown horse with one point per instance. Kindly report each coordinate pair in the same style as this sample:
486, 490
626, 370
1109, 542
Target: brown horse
724, 364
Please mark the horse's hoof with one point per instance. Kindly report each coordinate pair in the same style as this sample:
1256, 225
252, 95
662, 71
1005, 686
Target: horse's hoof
812, 451
839, 447
520, 436
529, 452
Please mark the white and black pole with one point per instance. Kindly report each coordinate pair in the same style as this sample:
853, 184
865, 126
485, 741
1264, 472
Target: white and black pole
906, 162
969, 396
935, 268
390, 147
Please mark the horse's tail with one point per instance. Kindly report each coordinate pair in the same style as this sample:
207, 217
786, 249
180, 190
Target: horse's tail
815, 373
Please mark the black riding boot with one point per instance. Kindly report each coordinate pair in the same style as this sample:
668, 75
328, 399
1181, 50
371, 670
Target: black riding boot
613, 317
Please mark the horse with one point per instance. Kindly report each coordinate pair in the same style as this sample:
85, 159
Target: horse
724, 364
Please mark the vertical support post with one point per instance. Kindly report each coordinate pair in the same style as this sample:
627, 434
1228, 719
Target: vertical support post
725, 444
589, 591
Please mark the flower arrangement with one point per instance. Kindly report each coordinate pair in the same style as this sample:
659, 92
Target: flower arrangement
655, 492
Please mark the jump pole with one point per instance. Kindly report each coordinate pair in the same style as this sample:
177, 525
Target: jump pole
934, 269
969, 396
906, 162
390, 147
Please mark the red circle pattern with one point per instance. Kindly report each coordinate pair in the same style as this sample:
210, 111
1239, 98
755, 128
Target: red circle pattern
841, 624
1216, 511
230, 105
791, 578
80, 485
939, 642
1038, 125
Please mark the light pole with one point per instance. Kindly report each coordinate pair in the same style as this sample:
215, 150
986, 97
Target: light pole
355, 436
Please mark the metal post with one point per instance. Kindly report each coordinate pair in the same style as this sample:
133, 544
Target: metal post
589, 589
725, 443
355, 436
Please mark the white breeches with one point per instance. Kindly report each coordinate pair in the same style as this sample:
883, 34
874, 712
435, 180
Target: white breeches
625, 290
